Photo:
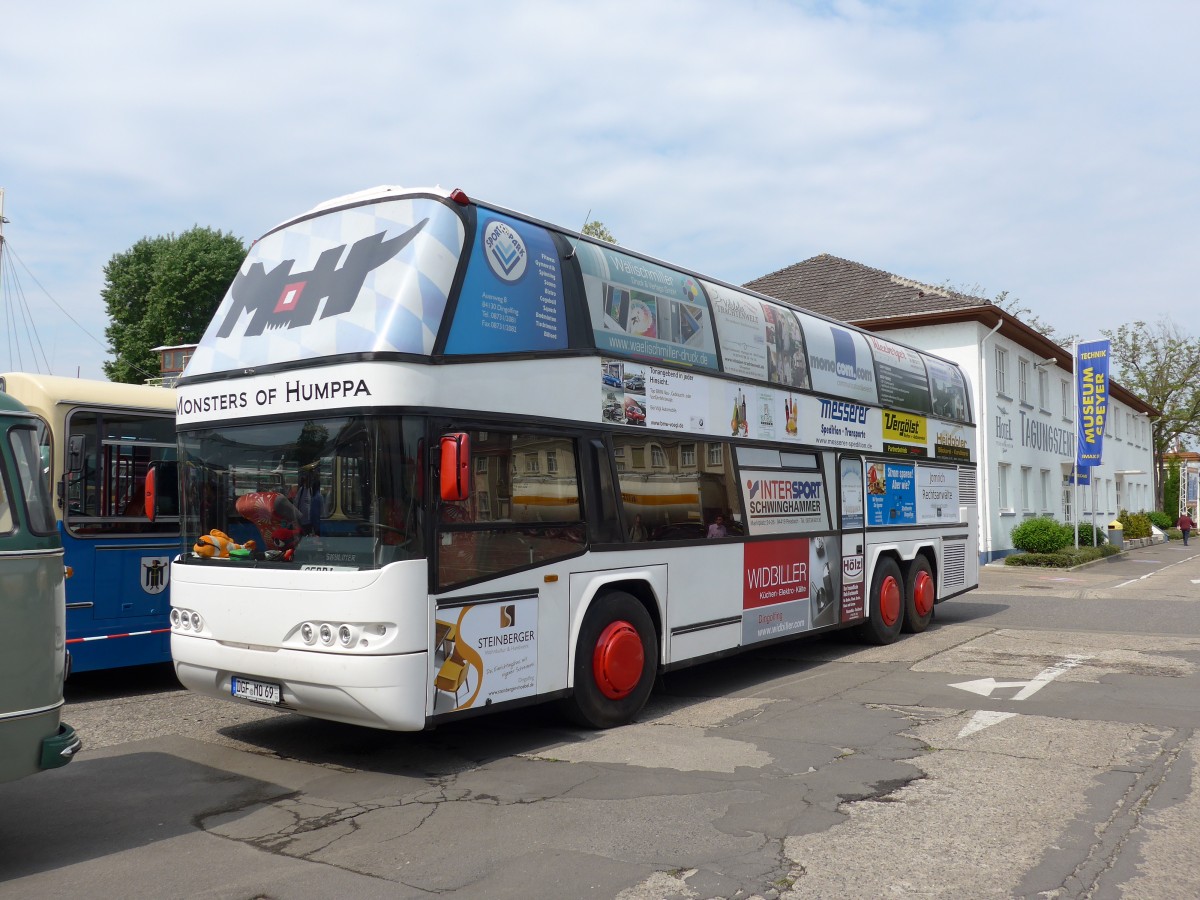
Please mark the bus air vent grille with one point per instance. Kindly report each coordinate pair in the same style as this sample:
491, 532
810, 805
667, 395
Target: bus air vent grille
968, 487
954, 564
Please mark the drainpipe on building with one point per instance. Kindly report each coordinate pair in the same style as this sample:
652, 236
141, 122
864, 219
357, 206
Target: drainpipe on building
985, 521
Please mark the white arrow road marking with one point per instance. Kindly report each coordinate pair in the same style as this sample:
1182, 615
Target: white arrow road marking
984, 719
985, 686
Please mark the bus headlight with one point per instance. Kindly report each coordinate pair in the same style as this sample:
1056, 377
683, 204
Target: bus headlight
346, 636
327, 635
176, 617
308, 633
194, 618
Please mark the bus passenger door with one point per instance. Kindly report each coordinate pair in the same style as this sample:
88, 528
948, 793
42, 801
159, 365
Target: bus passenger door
851, 523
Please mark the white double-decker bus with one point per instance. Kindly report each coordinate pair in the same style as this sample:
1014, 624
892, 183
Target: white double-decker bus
437, 457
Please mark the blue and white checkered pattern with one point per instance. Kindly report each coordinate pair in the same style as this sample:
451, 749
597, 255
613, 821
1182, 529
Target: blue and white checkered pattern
400, 305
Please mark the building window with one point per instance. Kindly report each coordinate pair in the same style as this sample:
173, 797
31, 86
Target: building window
658, 459
1001, 371
1043, 389
1068, 491
1023, 380
532, 465
715, 454
1002, 487
687, 455
552, 461
1068, 404
1046, 490
1026, 478
1120, 485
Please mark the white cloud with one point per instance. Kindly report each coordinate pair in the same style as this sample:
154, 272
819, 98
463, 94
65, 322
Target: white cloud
1043, 148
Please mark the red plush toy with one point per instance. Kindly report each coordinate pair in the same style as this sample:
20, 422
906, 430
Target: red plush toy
277, 519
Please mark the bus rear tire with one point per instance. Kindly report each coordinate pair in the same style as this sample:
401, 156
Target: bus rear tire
920, 593
887, 604
615, 663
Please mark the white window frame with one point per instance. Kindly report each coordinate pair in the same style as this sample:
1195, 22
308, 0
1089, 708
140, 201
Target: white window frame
1002, 371
1002, 470
1026, 489
1023, 380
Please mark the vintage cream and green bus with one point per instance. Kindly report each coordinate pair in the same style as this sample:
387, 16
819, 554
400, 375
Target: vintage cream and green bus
33, 737
438, 457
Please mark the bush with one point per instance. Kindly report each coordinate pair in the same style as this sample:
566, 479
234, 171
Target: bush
1163, 520
1040, 535
1064, 559
1088, 537
1135, 525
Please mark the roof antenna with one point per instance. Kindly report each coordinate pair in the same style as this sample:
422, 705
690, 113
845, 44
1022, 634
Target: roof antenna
586, 219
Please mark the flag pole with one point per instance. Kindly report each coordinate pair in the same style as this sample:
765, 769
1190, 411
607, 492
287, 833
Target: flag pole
1075, 460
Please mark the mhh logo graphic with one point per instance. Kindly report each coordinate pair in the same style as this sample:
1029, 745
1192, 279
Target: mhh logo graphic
283, 299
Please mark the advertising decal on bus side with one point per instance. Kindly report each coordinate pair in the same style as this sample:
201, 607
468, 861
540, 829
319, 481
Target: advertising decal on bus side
789, 586
485, 654
512, 297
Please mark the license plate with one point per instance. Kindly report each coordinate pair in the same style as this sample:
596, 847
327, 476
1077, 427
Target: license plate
258, 691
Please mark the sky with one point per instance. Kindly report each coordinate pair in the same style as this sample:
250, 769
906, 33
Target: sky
1043, 148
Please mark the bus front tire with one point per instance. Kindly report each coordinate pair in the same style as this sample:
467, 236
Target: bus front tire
615, 663
887, 604
920, 593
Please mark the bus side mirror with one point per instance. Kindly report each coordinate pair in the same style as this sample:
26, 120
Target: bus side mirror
75, 453
162, 490
456, 465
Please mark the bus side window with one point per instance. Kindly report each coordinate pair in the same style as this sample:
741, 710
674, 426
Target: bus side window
526, 487
6, 510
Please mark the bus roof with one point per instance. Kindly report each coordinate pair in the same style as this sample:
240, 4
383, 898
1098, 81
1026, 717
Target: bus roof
43, 392
12, 406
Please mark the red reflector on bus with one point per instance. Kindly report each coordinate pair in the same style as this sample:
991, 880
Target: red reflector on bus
459, 197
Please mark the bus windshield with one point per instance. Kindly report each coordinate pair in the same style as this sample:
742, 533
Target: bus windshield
339, 492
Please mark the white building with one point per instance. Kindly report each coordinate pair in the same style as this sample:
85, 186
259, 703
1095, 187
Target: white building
1022, 393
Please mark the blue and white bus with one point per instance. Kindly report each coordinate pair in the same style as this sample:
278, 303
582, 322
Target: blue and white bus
97, 441
439, 458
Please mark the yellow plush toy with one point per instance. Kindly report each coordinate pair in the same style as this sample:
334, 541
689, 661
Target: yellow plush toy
218, 544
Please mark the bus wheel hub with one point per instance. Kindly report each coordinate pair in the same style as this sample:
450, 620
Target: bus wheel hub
618, 660
923, 594
889, 601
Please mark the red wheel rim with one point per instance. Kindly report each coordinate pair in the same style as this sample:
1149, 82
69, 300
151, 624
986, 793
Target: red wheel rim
618, 660
923, 594
889, 601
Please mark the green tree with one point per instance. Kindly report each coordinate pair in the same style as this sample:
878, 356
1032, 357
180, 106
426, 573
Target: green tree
596, 229
1170, 489
1161, 364
163, 291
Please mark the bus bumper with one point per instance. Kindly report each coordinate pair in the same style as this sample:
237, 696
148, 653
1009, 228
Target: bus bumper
387, 692
60, 749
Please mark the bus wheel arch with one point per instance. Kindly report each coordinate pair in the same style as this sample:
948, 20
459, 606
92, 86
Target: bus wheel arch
886, 603
920, 593
616, 661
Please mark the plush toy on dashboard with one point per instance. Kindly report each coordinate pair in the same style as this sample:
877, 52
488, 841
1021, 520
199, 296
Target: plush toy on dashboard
218, 544
276, 517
